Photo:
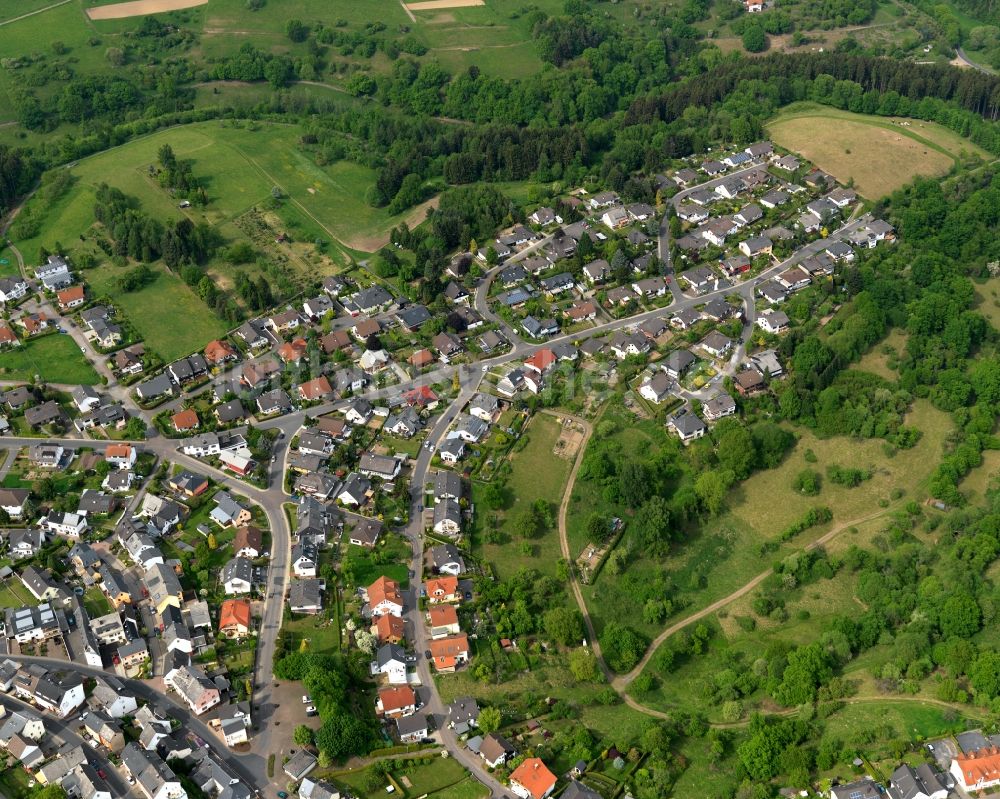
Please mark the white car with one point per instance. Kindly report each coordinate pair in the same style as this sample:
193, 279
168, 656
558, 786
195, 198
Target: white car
306, 699
311, 710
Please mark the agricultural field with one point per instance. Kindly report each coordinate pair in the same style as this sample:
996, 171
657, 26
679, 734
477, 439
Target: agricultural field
847, 145
536, 473
56, 358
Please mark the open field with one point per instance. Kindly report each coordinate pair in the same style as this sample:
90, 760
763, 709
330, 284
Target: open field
169, 316
238, 166
536, 474
138, 8
987, 300
877, 359
847, 145
56, 358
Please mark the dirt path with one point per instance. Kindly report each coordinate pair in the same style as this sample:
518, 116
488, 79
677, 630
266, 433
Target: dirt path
138, 8
435, 5
621, 682
588, 428
32, 13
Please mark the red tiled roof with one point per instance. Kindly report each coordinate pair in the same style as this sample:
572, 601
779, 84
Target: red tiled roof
534, 776
396, 698
234, 612
185, 420
218, 351
316, 389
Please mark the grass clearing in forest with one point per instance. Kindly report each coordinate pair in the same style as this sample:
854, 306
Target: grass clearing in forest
880, 154
878, 358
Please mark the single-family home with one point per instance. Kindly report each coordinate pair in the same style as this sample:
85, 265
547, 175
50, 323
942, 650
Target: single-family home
532, 779
237, 576
447, 654
234, 618
656, 388
686, 425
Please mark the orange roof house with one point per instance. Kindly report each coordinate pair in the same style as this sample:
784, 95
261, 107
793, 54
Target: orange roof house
315, 389
234, 618
399, 700
218, 351
977, 769
421, 358
447, 654
541, 361
185, 420
443, 589
293, 351
532, 779
71, 297
7, 335
384, 597
421, 397
442, 615
389, 629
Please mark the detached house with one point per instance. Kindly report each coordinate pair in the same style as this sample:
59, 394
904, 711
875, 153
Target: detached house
384, 598
447, 654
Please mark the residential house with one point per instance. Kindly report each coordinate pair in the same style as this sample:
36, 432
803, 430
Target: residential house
390, 660
396, 701
318, 388
384, 597
70, 297
451, 450
12, 288
185, 421
615, 217
773, 321
382, 466
405, 424
163, 587
447, 344
365, 533
372, 299
921, 782
768, 363
234, 618
46, 456
46, 413
597, 271
24, 543
700, 279
496, 750
306, 596
716, 344
447, 654
442, 589
12, 502
794, 279
219, 351
532, 779
756, 246
305, 559
678, 362
624, 345
650, 287
749, 382
285, 321
412, 728
865, 788
72, 525
318, 307
257, 372
582, 311
484, 406
447, 517
7, 337
191, 684
355, 491
248, 541
54, 273
389, 629
335, 340
774, 198
228, 512
107, 732
122, 456
656, 388
686, 426
443, 620
539, 328
718, 406
237, 576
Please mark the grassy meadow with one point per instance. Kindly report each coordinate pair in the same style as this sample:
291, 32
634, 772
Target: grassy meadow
535, 473
56, 358
846, 145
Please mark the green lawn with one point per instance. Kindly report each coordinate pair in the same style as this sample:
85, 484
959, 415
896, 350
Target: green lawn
15, 595
438, 777
10, 268
171, 319
56, 358
535, 473
95, 603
